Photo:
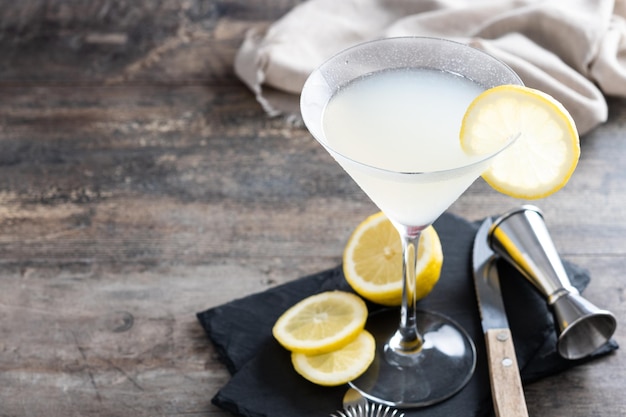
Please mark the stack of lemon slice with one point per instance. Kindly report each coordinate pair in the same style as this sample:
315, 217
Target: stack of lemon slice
325, 333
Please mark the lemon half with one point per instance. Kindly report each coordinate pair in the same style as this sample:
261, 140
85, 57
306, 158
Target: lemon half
372, 261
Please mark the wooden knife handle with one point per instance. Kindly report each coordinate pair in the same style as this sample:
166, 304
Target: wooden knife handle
506, 384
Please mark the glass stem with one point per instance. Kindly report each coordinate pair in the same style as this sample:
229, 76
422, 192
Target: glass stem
407, 339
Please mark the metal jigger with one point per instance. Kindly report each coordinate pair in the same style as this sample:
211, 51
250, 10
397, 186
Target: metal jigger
521, 237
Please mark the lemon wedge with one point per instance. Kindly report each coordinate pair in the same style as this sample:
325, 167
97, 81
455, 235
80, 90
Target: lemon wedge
339, 366
544, 156
372, 261
321, 323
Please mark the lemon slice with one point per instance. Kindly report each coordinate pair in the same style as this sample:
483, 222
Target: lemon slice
340, 366
372, 261
321, 323
542, 159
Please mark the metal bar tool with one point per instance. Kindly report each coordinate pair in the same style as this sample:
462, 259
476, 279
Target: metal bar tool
521, 237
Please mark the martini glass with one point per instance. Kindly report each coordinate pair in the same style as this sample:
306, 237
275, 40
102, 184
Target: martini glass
389, 112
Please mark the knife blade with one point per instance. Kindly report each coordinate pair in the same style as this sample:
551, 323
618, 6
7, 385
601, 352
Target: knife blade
506, 384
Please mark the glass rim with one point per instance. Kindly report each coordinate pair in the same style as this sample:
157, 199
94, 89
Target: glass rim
479, 158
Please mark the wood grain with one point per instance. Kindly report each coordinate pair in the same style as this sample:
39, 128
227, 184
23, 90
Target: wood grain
506, 384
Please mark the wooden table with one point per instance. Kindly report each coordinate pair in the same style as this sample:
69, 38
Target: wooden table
141, 183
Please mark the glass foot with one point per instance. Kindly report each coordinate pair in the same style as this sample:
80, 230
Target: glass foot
439, 370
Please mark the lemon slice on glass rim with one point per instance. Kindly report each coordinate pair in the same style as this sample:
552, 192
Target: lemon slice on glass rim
544, 156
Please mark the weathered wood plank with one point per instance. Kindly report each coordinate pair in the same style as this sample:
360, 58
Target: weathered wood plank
93, 343
121, 42
140, 174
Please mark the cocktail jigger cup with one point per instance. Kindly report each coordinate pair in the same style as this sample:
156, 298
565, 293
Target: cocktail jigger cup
521, 237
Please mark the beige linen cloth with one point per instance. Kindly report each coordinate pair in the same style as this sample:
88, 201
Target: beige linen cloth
574, 50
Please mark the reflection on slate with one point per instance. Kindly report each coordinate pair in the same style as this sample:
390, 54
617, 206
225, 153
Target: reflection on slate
264, 383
